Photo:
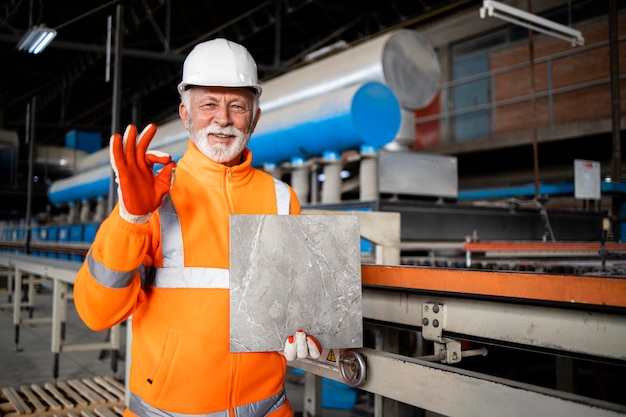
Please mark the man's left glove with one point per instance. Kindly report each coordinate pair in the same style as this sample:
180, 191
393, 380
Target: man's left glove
140, 191
302, 346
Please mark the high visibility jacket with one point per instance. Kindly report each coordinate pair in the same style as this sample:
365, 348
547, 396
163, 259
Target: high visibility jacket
171, 275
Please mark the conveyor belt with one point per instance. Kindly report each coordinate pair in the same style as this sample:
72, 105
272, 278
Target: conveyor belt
96, 397
588, 290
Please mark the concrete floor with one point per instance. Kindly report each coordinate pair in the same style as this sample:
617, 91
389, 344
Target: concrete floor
30, 361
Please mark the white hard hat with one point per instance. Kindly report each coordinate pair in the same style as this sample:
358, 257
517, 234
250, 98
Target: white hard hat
220, 63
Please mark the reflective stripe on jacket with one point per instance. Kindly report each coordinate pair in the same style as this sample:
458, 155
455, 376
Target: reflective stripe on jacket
261, 408
174, 282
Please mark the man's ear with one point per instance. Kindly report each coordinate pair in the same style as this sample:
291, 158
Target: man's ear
256, 120
184, 115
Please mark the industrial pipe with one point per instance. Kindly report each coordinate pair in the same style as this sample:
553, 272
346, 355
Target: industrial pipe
338, 121
403, 60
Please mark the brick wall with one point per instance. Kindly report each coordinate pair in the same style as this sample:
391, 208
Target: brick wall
570, 72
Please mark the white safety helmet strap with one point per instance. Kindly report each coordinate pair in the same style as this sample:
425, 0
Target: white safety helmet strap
220, 63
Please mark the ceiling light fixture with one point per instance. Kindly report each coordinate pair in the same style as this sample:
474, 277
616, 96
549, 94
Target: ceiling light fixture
36, 39
531, 21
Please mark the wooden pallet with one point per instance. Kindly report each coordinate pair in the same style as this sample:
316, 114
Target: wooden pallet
96, 397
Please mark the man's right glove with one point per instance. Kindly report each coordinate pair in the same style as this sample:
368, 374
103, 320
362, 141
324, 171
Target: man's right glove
140, 191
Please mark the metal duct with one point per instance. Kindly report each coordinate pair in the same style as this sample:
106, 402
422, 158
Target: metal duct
402, 60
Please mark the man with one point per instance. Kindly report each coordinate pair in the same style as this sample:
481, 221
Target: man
162, 255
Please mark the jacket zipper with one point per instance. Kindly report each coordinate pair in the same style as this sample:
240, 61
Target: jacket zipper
228, 189
228, 186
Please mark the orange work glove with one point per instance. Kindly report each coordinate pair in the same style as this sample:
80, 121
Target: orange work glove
140, 191
302, 346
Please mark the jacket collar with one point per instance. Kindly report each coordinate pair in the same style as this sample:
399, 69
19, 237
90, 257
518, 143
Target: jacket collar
212, 173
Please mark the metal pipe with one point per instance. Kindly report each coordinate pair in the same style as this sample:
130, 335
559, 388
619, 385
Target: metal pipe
368, 177
300, 182
615, 93
331, 188
30, 137
100, 209
616, 163
85, 211
531, 59
72, 215
441, 356
115, 102
402, 60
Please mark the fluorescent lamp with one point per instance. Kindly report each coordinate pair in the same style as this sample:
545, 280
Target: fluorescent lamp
340, 44
531, 21
36, 39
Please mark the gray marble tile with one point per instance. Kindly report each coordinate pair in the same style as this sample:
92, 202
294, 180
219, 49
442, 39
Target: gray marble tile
294, 272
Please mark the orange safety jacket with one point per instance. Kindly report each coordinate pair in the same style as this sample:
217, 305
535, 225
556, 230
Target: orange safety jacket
171, 275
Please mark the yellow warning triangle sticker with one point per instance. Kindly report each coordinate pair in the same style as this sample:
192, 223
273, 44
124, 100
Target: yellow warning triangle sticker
331, 356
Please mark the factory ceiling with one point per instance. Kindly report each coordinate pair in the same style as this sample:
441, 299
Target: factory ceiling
66, 84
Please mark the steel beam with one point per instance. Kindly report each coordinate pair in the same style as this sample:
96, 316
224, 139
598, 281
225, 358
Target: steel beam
458, 393
573, 331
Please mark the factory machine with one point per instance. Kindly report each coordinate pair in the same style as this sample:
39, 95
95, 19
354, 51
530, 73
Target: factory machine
469, 309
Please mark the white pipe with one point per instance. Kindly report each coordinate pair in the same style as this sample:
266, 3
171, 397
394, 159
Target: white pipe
100, 209
331, 188
368, 178
402, 60
85, 211
300, 183
72, 214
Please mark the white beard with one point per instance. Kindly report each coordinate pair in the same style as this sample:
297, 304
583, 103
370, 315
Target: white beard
219, 152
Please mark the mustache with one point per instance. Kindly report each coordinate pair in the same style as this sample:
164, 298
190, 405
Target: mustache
219, 130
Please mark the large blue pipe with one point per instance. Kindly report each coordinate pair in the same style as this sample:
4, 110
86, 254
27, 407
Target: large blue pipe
344, 119
340, 120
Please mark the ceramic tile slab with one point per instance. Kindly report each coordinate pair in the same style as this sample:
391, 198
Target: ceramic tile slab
294, 272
